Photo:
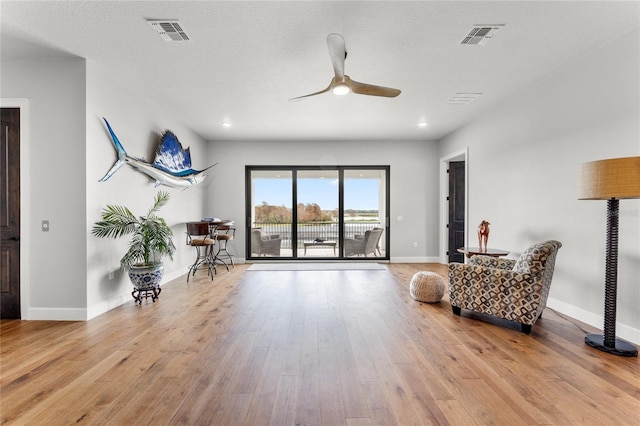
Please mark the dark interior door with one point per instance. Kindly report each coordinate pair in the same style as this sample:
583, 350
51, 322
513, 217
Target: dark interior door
456, 210
10, 213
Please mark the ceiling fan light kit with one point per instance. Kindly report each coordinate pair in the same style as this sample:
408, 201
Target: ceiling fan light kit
341, 89
342, 84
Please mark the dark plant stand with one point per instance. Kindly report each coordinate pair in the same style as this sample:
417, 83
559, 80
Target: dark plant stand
146, 292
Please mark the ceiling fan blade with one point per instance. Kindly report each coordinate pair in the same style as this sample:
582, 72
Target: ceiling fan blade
338, 53
313, 94
370, 89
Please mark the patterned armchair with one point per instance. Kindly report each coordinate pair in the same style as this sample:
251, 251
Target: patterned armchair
515, 290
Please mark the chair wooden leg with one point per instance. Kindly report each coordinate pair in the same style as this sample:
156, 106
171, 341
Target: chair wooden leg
526, 328
456, 310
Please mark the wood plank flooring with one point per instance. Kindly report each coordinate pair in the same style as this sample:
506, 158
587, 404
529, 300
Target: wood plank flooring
308, 348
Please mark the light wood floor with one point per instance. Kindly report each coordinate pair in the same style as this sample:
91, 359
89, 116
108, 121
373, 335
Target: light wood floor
308, 348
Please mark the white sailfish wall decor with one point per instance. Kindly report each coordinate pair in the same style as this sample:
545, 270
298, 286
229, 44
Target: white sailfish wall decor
171, 166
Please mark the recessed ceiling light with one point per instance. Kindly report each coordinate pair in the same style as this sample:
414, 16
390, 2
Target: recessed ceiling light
226, 124
422, 124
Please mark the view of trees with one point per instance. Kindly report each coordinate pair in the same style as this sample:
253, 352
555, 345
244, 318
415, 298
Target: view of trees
272, 214
360, 213
306, 213
312, 213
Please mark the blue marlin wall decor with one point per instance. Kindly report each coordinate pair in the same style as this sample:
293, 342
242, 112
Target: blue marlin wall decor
171, 166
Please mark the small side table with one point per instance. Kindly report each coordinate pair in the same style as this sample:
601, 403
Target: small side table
472, 251
327, 243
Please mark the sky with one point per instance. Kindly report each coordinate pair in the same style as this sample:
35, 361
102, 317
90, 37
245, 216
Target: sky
360, 194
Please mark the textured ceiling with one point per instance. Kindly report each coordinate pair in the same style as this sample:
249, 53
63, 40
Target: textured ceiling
246, 59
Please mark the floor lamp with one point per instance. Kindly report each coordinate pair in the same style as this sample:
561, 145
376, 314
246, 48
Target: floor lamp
611, 180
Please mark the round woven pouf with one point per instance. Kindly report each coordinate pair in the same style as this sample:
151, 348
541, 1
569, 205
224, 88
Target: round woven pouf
427, 287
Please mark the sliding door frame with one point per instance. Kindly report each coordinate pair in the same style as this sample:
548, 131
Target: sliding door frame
384, 221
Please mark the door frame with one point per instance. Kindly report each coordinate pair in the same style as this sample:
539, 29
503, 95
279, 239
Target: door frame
385, 222
462, 155
25, 195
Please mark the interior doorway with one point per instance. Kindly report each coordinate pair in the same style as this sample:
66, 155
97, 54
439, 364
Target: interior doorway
456, 220
458, 225
10, 213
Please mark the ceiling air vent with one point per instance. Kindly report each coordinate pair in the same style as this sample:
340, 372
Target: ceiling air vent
481, 34
169, 29
463, 98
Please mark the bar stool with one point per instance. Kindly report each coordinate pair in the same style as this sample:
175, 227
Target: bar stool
225, 233
199, 236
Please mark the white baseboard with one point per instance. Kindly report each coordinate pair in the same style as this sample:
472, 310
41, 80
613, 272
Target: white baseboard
82, 314
57, 314
623, 331
421, 259
107, 305
166, 279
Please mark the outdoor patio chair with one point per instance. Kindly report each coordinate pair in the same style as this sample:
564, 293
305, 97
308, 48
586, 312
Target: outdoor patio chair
263, 245
363, 245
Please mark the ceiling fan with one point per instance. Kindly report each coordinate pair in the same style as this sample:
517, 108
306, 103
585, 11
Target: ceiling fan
341, 84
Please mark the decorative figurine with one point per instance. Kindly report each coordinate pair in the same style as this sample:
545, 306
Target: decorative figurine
171, 167
483, 234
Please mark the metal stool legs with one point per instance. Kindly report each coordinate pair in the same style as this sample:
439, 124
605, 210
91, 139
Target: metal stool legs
204, 254
222, 248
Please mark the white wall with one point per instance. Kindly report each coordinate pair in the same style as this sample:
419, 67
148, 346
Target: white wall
138, 123
56, 92
523, 163
414, 184
69, 150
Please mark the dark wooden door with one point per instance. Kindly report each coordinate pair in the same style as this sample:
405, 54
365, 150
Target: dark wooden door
456, 210
10, 213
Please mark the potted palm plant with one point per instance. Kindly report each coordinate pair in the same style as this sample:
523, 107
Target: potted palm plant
151, 240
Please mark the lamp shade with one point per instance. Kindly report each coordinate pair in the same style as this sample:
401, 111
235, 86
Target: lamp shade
606, 179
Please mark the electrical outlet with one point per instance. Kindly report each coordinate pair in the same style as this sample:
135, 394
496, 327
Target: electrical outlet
111, 274
415, 244
45, 226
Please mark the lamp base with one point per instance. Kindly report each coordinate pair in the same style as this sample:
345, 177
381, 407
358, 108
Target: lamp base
622, 348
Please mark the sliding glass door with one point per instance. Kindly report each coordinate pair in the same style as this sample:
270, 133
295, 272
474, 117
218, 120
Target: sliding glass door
340, 212
317, 213
365, 212
270, 215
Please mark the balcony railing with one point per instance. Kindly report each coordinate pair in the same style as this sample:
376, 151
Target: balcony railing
309, 231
